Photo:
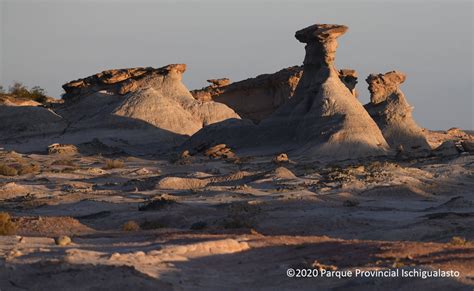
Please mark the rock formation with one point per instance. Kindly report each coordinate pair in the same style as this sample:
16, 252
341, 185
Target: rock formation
349, 78
392, 113
155, 96
253, 98
322, 120
146, 109
257, 98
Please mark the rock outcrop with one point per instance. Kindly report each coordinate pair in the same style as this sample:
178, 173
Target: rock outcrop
321, 120
137, 109
257, 98
349, 78
253, 98
155, 97
392, 113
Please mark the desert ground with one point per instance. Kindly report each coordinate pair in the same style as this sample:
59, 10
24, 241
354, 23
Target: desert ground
133, 182
197, 222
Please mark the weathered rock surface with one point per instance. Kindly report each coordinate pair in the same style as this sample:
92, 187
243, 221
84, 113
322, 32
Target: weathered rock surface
253, 98
349, 78
137, 109
321, 120
257, 98
390, 109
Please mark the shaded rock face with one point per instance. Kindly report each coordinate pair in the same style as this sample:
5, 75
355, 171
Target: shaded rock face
253, 98
322, 119
392, 113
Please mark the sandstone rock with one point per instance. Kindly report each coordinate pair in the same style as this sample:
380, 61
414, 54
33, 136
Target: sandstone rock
63, 240
63, 149
281, 158
137, 109
393, 114
468, 145
253, 98
219, 151
219, 82
118, 81
321, 120
349, 78
257, 98
447, 148
436, 137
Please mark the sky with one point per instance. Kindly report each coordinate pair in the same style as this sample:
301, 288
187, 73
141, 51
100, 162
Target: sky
48, 43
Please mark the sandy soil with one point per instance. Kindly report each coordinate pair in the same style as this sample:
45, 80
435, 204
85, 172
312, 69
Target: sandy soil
220, 224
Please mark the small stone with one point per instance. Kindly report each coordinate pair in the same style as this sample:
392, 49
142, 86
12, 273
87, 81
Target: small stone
281, 158
63, 240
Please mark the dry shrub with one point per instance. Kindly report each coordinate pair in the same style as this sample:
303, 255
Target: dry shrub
458, 241
6, 170
7, 226
157, 204
27, 168
113, 164
63, 163
154, 224
131, 226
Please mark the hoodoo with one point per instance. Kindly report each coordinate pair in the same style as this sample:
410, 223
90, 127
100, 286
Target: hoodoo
322, 119
390, 109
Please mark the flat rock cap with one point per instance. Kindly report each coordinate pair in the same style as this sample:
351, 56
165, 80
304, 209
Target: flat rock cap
392, 77
320, 32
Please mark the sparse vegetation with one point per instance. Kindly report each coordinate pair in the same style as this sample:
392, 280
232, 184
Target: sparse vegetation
6, 170
27, 168
7, 226
113, 164
20, 91
157, 204
63, 163
458, 241
152, 224
130, 226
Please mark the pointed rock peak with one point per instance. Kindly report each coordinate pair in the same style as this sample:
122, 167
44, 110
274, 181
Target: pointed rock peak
381, 86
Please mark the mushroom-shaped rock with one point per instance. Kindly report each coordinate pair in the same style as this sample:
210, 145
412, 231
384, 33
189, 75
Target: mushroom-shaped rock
321, 120
392, 113
323, 116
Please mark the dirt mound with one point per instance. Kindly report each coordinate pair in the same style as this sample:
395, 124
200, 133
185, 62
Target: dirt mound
50, 226
390, 109
282, 173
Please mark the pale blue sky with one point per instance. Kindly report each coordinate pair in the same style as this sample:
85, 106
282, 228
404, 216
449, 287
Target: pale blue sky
48, 43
